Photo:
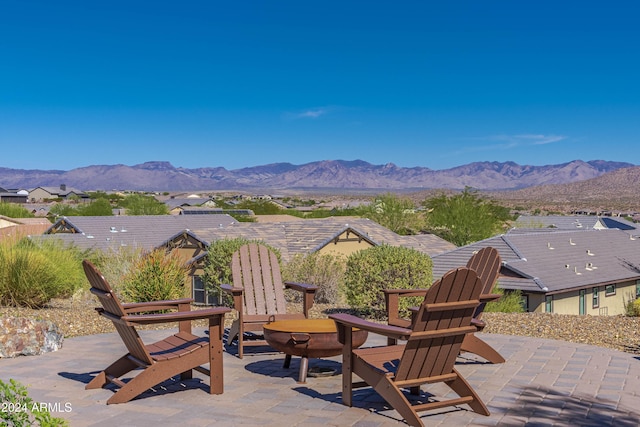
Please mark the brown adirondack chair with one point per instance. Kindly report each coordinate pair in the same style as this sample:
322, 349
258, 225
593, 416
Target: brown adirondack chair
486, 263
258, 294
429, 356
178, 354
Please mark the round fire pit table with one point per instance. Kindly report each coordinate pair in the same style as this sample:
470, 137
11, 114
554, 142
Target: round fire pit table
307, 338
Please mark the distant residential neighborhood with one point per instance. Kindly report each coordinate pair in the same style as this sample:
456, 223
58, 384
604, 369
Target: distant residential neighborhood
571, 264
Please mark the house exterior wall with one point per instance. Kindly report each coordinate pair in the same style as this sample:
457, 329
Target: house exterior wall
569, 302
345, 245
13, 198
4, 223
536, 303
40, 194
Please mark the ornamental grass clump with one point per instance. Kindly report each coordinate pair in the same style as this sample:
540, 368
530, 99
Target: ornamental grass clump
510, 302
155, 276
326, 271
33, 273
385, 267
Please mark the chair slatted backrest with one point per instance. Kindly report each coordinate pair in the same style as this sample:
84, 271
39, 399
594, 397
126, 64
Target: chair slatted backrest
113, 309
486, 263
443, 320
255, 268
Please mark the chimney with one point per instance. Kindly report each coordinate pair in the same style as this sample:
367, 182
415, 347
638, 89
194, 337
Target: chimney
63, 187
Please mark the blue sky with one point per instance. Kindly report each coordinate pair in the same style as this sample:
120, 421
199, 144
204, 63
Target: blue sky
204, 83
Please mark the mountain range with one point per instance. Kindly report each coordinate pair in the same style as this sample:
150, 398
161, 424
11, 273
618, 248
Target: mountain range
329, 175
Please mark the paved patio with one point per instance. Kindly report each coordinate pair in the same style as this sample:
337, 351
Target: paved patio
543, 383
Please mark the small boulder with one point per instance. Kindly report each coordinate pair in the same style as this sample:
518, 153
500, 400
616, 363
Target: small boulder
22, 336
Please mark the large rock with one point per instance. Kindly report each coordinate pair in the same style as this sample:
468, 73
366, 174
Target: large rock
21, 336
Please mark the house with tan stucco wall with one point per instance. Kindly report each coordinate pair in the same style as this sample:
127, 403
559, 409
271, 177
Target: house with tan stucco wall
583, 272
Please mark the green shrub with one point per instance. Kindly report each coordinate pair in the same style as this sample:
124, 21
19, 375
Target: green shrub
636, 306
632, 307
510, 302
155, 276
31, 274
217, 268
20, 410
371, 270
139, 204
324, 271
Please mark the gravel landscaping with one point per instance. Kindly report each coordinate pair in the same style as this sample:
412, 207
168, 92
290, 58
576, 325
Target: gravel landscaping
76, 317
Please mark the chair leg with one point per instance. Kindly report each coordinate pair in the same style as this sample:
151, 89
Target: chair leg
216, 380
136, 386
115, 370
347, 365
241, 344
463, 389
233, 332
395, 397
472, 344
157, 373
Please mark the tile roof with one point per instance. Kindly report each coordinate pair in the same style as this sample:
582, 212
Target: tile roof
573, 222
144, 231
290, 237
556, 262
62, 191
309, 235
185, 201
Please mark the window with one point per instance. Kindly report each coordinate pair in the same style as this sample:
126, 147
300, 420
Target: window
609, 290
596, 298
200, 294
582, 304
548, 304
637, 288
524, 302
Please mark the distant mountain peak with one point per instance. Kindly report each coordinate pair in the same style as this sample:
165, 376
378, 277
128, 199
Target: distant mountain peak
326, 174
157, 165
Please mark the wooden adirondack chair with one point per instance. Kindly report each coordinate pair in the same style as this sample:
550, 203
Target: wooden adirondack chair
178, 354
429, 356
486, 263
258, 294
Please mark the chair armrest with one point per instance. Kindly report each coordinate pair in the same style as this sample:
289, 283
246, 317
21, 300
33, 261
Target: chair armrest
478, 323
231, 289
392, 303
236, 293
348, 320
309, 292
148, 319
302, 287
484, 298
138, 307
